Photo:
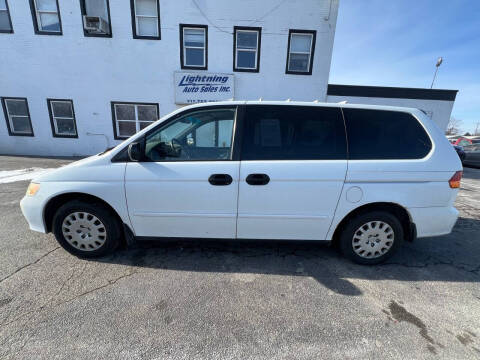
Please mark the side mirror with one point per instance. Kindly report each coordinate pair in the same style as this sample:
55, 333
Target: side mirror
135, 151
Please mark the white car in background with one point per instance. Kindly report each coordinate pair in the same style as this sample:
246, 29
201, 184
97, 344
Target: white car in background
363, 177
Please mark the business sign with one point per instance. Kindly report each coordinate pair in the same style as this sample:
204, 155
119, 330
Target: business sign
195, 87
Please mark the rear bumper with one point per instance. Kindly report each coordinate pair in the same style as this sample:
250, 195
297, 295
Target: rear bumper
434, 221
32, 210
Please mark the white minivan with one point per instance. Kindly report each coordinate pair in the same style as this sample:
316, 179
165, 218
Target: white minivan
365, 178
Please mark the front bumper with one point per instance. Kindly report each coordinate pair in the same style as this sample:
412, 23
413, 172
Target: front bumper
32, 209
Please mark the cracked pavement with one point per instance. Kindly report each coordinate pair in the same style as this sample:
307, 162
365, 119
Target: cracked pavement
231, 300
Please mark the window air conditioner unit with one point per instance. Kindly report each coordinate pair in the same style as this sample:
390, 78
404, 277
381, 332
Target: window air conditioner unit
95, 24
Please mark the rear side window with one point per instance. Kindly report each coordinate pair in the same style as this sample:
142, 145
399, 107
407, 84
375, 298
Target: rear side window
380, 135
293, 133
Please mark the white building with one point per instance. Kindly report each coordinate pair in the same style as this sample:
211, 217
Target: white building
144, 53
79, 76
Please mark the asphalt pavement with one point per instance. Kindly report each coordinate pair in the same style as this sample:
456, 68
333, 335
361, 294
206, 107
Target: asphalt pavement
236, 300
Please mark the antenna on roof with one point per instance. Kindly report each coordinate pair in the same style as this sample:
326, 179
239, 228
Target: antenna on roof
260, 99
288, 100
315, 101
342, 102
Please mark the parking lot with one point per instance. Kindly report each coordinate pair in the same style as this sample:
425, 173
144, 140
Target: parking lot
236, 300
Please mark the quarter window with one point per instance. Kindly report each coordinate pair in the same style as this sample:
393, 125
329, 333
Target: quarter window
293, 133
17, 116
62, 118
130, 118
5, 21
46, 17
301, 47
200, 135
96, 18
194, 39
246, 49
379, 135
146, 19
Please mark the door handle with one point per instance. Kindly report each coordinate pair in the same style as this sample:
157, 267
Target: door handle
220, 179
257, 179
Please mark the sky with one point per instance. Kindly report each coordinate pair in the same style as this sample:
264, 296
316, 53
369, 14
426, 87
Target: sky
397, 43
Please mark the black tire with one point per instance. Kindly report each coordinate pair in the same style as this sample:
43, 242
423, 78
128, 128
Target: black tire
111, 228
348, 232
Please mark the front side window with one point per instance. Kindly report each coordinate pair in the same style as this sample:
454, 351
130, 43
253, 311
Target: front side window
62, 118
286, 132
193, 46
246, 45
146, 19
200, 135
5, 21
380, 135
301, 47
130, 118
17, 116
46, 17
96, 18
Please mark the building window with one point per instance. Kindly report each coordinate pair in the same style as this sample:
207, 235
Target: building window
301, 47
96, 18
62, 118
246, 47
46, 17
146, 19
129, 118
5, 21
194, 46
17, 116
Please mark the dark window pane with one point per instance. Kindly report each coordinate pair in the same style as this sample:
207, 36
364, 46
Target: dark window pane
247, 39
298, 62
144, 124
194, 57
293, 133
125, 112
147, 112
21, 124
65, 127
377, 134
4, 21
246, 59
17, 107
126, 128
62, 109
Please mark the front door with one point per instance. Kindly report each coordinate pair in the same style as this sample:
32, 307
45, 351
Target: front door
188, 185
292, 171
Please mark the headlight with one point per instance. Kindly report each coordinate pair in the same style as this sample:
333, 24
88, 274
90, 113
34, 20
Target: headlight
33, 189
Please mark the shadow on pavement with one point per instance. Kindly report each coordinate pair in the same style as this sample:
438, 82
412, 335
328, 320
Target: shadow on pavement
451, 258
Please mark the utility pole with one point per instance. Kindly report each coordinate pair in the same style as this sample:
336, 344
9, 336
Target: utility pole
437, 65
476, 129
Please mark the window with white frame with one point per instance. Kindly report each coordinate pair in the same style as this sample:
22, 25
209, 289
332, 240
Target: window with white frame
247, 48
130, 118
301, 46
96, 18
5, 21
146, 19
194, 40
46, 17
17, 116
62, 118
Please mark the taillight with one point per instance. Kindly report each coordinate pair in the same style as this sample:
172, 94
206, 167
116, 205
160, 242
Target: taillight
454, 181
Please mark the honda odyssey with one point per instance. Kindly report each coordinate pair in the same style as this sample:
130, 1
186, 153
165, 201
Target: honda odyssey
365, 178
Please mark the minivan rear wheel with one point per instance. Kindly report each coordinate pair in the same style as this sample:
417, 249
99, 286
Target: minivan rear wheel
372, 237
85, 229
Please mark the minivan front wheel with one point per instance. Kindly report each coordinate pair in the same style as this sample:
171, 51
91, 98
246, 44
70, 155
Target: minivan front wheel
372, 237
85, 229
